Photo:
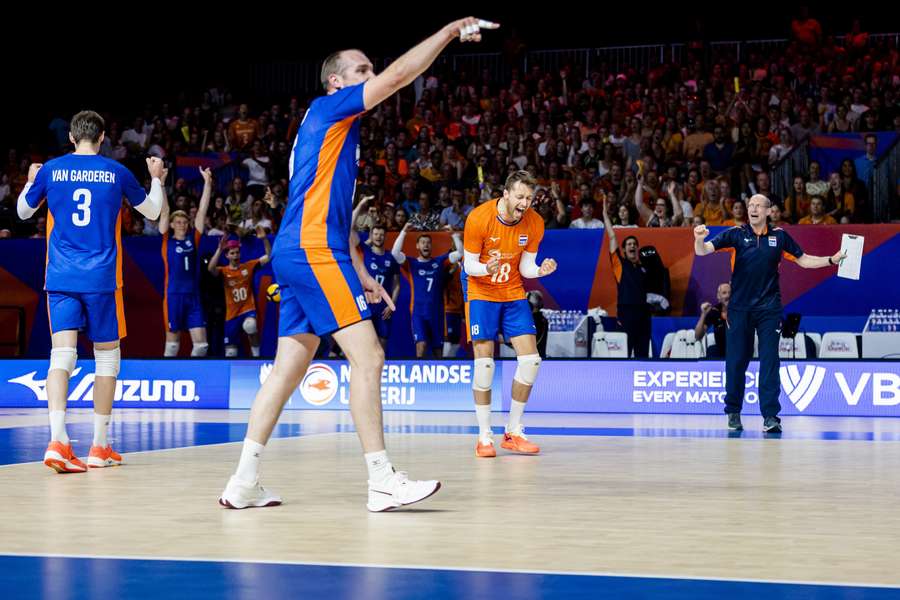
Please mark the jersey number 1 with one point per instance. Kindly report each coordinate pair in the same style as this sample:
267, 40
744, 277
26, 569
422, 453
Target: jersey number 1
83, 197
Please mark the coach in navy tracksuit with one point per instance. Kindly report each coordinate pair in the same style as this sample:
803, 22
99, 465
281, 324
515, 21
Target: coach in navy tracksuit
755, 305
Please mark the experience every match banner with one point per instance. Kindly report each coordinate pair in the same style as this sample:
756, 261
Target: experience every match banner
821, 388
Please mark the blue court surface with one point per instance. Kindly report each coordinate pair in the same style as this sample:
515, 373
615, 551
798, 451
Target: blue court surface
90, 577
67, 579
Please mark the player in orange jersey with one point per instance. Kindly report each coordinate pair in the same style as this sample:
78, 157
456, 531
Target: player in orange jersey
501, 242
240, 306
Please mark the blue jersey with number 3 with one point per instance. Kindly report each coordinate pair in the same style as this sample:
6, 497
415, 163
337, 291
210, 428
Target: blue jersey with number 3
84, 230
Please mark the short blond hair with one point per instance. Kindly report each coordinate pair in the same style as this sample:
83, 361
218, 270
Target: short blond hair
523, 177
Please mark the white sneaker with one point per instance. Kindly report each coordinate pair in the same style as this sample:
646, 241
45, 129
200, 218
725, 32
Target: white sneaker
399, 491
241, 494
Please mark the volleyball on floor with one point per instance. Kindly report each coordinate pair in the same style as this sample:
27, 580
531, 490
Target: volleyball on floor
273, 293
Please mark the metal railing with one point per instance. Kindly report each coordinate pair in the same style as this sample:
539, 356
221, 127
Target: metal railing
883, 185
795, 163
279, 78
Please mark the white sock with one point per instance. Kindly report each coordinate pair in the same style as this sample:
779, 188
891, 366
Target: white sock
101, 423
483, 414
58, 427
379, 465
248, 468
254, 350
516, 409
171, 349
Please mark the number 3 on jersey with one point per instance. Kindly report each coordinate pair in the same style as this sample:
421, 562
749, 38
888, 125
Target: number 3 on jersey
502, 276
83, 217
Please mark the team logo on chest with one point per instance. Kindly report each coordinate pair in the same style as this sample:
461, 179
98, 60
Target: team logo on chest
523, 239
773, 241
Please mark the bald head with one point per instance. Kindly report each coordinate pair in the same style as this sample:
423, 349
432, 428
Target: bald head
758, 208
344, 68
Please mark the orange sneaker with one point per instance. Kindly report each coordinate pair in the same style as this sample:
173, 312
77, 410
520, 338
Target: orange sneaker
485, 449
517, 442
61, 459
100, 457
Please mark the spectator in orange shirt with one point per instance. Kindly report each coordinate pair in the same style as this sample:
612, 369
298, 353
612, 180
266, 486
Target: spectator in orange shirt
243, 131
817, 214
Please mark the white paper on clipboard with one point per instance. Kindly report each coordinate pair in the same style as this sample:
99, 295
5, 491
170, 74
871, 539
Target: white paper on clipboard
853, 246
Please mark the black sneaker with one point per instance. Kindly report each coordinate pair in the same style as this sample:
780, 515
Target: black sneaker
734, 422
772, 425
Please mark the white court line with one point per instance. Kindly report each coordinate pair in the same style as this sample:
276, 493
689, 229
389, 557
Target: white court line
457, 569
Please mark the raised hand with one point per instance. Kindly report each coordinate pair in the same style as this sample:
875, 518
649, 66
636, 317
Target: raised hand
33, 171
548, 265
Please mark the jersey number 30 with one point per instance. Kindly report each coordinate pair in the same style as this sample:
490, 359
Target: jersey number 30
83, 217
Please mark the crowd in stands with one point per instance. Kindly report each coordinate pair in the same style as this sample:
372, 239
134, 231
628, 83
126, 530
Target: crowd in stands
672, 145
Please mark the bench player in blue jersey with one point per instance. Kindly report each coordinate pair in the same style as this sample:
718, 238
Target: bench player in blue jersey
383, 268
84, 194
325, 286
182, 309
427, 276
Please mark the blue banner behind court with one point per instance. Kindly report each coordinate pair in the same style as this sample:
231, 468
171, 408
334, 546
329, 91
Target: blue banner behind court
405, 385
858, 389
863, 389
141, 384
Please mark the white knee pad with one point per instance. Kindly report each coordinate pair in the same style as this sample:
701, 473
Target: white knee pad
171, 349
63, 358
527, 369
249, 325
199, 349
107, 362
231, 351
483, 376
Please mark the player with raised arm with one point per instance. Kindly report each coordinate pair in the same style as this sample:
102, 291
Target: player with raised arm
182, 309
325, 288
84, 193
240, 304
427, 276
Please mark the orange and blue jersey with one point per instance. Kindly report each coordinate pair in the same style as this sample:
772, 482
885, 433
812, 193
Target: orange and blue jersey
486, 234
453, 292
323, 171
238, 285
496, 303
321, 291
84, 201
